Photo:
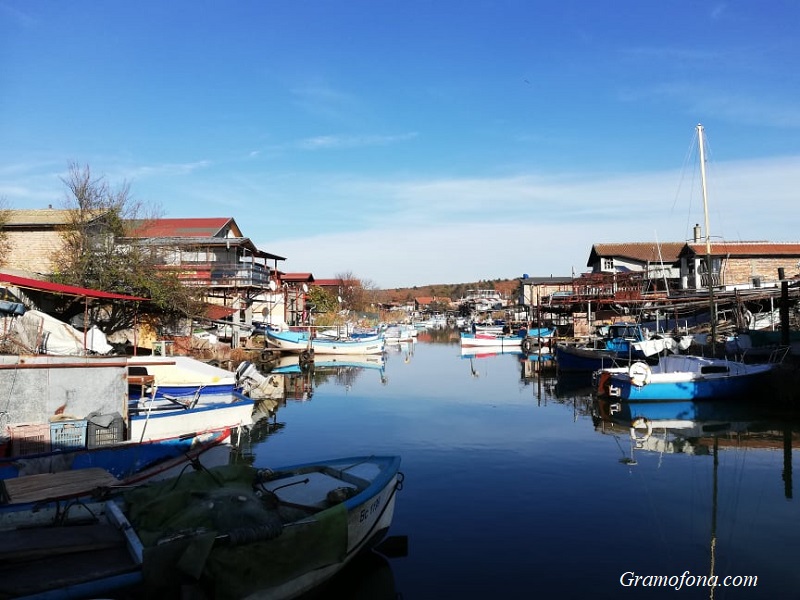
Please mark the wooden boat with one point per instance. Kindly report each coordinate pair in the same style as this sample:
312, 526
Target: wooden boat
232, 531
299, 342
679, 377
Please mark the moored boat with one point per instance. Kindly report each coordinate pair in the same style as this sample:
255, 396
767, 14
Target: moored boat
300, 341
684, 377
233, 531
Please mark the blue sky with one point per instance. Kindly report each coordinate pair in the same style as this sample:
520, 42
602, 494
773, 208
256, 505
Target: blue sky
414, 142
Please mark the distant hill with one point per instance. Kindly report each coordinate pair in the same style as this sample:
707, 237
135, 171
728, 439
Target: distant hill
454, 291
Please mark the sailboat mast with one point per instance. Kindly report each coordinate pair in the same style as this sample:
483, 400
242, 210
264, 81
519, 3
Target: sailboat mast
712, 313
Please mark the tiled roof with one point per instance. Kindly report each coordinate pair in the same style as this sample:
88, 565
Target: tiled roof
746, 248
196, 227
667, 252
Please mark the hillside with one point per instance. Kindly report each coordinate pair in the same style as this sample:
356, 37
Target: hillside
454, 291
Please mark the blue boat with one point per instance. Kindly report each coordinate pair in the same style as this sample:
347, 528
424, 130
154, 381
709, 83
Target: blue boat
685, 377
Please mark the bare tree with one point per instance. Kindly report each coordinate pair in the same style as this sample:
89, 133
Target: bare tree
97, 253
5, 242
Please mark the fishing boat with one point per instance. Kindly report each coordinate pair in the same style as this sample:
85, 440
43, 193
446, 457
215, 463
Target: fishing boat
232, 531
300, 342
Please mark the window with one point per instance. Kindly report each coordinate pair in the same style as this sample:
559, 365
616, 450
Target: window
608, 264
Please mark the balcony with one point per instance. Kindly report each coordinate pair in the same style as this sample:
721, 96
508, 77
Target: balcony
223, 275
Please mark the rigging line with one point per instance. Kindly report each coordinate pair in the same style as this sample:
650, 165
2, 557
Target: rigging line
686, 161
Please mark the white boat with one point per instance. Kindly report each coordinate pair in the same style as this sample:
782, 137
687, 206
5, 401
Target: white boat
180, 377
241, 531
397, 334
493, 340
300, 342
72, 412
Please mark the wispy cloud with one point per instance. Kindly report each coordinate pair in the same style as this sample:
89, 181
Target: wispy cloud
324, 101
324, 142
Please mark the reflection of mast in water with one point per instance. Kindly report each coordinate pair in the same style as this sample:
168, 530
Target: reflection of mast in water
714, 514
787, 462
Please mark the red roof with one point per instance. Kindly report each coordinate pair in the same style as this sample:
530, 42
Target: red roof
215, 312
198, 227
58, 288
762, 249
295, 277
328, 282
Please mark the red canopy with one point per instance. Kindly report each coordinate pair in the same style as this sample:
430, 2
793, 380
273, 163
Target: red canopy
58, 288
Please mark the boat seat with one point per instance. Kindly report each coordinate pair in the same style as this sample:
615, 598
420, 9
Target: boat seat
52, 486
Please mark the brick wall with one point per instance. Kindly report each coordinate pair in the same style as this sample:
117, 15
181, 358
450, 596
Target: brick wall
32, 250
743, 270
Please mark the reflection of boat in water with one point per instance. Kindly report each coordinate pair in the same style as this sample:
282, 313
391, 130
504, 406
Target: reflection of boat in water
368, 576
573, 384
486, 352
686, 426
293, 364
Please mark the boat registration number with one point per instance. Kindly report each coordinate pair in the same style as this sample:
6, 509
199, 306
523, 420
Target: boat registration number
369, 510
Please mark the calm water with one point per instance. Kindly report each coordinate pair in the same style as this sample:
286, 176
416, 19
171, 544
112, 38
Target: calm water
516, 485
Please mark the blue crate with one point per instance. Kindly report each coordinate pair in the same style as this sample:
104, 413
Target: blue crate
67, 435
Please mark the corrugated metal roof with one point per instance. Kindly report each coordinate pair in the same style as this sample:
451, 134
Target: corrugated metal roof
667, 252
57, 288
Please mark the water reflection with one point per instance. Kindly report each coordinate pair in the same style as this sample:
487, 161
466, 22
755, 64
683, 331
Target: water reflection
708, 475
697, 428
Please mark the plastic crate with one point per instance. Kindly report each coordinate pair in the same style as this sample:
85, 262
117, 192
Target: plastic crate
97, 435
68, 435
29, 438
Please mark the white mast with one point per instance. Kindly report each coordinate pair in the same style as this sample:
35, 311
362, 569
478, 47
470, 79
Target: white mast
712, 314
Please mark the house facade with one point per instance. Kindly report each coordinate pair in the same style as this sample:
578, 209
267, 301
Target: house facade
207, 253
35, 239
737, 265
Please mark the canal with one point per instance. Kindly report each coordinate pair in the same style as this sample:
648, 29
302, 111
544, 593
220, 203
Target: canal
518, 484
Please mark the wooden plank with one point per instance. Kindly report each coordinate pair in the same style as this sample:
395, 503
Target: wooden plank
54, 573
51, 486
17, 545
